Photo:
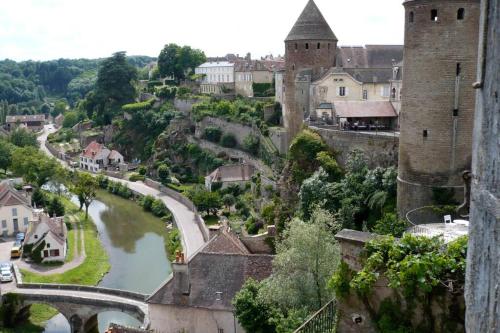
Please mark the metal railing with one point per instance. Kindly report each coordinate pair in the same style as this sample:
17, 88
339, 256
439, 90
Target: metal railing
323, 321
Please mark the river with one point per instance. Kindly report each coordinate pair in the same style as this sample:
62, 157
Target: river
136, 244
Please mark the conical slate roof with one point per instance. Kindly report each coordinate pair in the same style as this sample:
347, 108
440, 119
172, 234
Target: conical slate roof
311, 25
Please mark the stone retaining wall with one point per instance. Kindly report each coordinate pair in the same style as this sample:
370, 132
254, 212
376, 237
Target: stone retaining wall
381, 149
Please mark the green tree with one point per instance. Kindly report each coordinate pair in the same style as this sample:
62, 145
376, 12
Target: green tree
228, 200
55, 207
305, 260
164, 173
60, 107
23, 138
390, 224
85, 188
178, 61
34, 166
114, 87
228, 140
70, 119
252, 312
207, 201
5, 155
303, 153
315, 192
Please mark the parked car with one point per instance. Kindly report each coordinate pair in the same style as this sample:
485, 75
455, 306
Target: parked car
5, 266
20, 237
6, 276
15, 252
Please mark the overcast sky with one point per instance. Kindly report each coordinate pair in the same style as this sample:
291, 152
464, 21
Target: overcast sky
51, 29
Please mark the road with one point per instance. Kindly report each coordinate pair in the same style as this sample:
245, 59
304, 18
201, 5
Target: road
192, 237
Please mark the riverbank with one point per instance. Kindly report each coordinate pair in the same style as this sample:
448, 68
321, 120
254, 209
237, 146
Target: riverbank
94, 266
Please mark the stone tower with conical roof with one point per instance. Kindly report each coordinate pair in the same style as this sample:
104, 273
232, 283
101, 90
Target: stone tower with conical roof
310, 50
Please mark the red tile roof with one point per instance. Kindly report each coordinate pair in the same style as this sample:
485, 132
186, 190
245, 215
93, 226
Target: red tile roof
93, 149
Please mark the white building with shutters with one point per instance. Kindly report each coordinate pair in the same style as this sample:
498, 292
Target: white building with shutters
16, 212
216, 75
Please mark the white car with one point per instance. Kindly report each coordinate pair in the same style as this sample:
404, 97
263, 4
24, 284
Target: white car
6, 276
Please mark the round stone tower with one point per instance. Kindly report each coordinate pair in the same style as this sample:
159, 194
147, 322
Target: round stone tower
437, 112
310, 50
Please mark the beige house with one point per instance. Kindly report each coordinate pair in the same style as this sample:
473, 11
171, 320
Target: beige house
52, 232
248, 72
31, 122
16, 211
96, 157
238, 174
197, 297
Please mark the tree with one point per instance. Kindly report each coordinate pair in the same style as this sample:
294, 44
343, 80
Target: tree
114, 87
252, 312
317, 191
228, 200
55, 207
207, 201
70, 119
34, 166
23, 138
251, 144
178, 61
228, 140
60, 107
306, 259
164, 173
85, 188
5, 155
303, 152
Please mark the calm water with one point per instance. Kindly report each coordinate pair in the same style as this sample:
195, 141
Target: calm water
135, 242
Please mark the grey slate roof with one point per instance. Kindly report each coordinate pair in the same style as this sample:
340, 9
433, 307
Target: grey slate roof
370, 56
311, 25
214, 278
370, 75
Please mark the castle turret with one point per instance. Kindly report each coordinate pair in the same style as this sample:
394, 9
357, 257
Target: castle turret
310, 50
437, 112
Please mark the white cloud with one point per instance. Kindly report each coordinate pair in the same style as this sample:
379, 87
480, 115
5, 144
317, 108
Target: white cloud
48, 29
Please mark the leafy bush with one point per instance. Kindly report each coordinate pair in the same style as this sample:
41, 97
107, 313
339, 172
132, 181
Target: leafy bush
263, 90
140, 106
166, 92
212, 134
228, 140
142, 170
253, 226
251, 144
136, 177
147, 202
390, 224
55, 207
164, 173
158, 208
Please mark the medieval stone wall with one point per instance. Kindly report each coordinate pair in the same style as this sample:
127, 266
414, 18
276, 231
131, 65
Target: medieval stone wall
380, 150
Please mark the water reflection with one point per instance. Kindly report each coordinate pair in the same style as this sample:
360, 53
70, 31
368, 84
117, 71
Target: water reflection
136, 244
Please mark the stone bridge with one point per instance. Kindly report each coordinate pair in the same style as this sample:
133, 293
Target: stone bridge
81, 304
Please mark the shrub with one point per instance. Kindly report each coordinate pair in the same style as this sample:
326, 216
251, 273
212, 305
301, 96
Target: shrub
55, 207
251, 143
252, 225
142, 170
163, 173
139, 106
147, 202
158, 208
228, 140
135, 177
212, 134
166, 92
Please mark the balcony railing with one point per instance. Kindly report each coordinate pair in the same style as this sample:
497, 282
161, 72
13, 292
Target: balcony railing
322, 321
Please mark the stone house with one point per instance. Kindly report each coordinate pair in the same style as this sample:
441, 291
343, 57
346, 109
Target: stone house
16, 211
53, 232
247, 73
31, 122
238, 174
96, 157
197, 297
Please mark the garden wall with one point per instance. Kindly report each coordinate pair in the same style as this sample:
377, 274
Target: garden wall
238, 130
381, 149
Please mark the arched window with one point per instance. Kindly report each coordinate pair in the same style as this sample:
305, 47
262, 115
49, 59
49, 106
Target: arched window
319, 46
460, 14
434, 15
307, 46
411, 17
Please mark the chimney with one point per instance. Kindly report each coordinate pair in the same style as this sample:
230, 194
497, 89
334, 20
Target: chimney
61, 224
181, 274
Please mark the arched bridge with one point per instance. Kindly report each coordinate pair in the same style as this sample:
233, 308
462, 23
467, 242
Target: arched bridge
81, 304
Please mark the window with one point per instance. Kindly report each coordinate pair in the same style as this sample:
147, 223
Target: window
48, 245
36, 236
4, 224
328, 45
455, 112
459, 69
45, 253
425, 134
54, 253
365, 94
385, 91
14, 211
411, 17
460, 14
296, 46
341, 91
307, 46
220, 330
393, 93
293, 67
434, 15
319, 46
25, 221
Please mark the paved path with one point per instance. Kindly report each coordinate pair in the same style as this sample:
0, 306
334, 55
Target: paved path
78, 259
191, 234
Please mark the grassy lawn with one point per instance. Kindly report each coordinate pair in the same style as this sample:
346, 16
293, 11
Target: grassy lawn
39, 315
70, 254
183, 188
91, 271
